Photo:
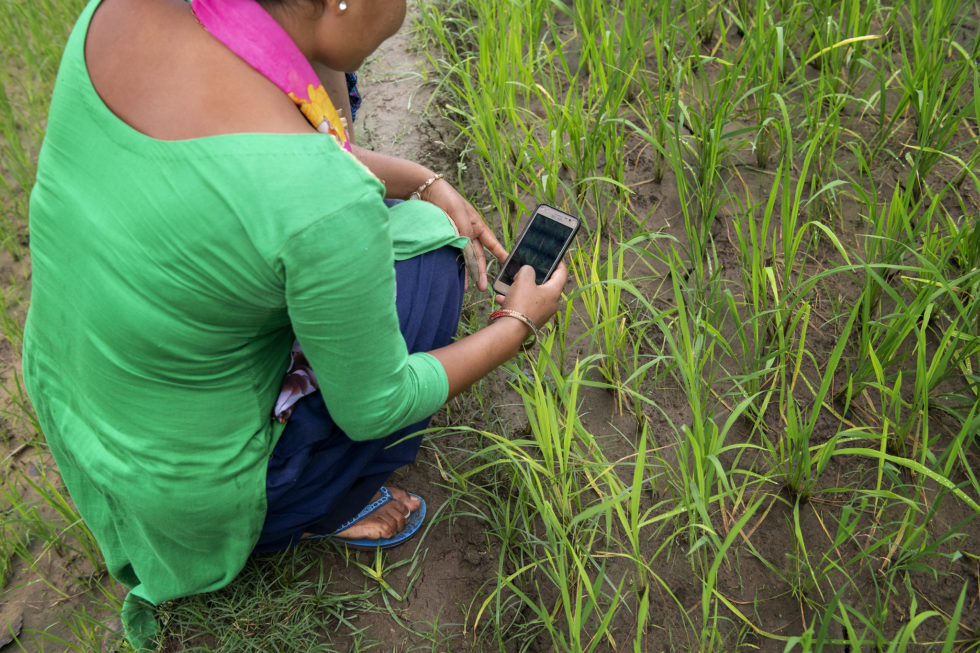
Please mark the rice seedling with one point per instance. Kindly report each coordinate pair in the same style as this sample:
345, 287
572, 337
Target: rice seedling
841, 32
657, 88
754, 313
934, 71
605, 312
706, 113
42, 525
764, 68
553, 525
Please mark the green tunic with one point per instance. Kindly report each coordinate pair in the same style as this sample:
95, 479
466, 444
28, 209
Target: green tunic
169, 279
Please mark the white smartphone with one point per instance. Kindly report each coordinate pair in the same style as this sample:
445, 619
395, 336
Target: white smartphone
541, 245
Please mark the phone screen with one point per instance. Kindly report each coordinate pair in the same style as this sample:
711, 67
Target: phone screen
539, 248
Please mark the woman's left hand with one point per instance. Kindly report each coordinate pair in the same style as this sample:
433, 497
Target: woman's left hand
470, 224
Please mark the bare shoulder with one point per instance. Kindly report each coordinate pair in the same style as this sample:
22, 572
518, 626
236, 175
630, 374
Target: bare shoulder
160, 72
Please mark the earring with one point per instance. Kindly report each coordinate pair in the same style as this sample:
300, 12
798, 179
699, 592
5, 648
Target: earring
342, 6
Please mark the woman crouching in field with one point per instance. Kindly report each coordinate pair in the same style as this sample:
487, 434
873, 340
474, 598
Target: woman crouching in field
198, 209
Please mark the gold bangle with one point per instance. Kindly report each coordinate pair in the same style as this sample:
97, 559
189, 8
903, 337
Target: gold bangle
417, 193
508, 312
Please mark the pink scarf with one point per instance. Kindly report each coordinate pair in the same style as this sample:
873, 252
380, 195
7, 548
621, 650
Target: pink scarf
250, 32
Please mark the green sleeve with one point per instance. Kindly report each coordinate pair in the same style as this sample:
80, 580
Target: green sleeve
340, 293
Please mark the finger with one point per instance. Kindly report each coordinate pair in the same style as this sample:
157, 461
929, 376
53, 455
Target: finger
558, 277
525, 275
499, 299
475, 265
490, 241
481, 259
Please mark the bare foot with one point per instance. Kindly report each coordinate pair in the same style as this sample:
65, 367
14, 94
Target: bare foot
386, 521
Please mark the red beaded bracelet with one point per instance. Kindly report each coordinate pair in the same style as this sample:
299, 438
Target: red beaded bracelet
507, 312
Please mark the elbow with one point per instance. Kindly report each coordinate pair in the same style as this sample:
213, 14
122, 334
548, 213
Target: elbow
388, 409
362, 424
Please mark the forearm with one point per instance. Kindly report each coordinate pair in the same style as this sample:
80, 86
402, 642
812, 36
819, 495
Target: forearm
400, 176
469, 359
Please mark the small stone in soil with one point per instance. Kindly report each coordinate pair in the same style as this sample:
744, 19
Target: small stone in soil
10, 624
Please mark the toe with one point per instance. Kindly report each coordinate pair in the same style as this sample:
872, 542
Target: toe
408, 501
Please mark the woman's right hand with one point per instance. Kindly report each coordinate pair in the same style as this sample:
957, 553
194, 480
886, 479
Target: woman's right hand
538, 302
469, 359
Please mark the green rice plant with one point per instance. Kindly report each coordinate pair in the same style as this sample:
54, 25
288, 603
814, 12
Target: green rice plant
773, 337
877, 100
934, 320
51, 521
907, 633
953, 626
492, 152
693, 344
557, 525
790, 239
841, 32
14, 538
972, 112
753, 315
915, 549
691, 341
578, 156
810, 575
796, 21
765, 68
553, 124
886, 334
582, 102
934, 70
741, 15
485, 96
648, 366
702, 18
707, 116
797, 461
861, 631
556, 431
711, 599
964, 227
657, 94
630, 517
820, 176
599, 291
892, 227
883, 458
